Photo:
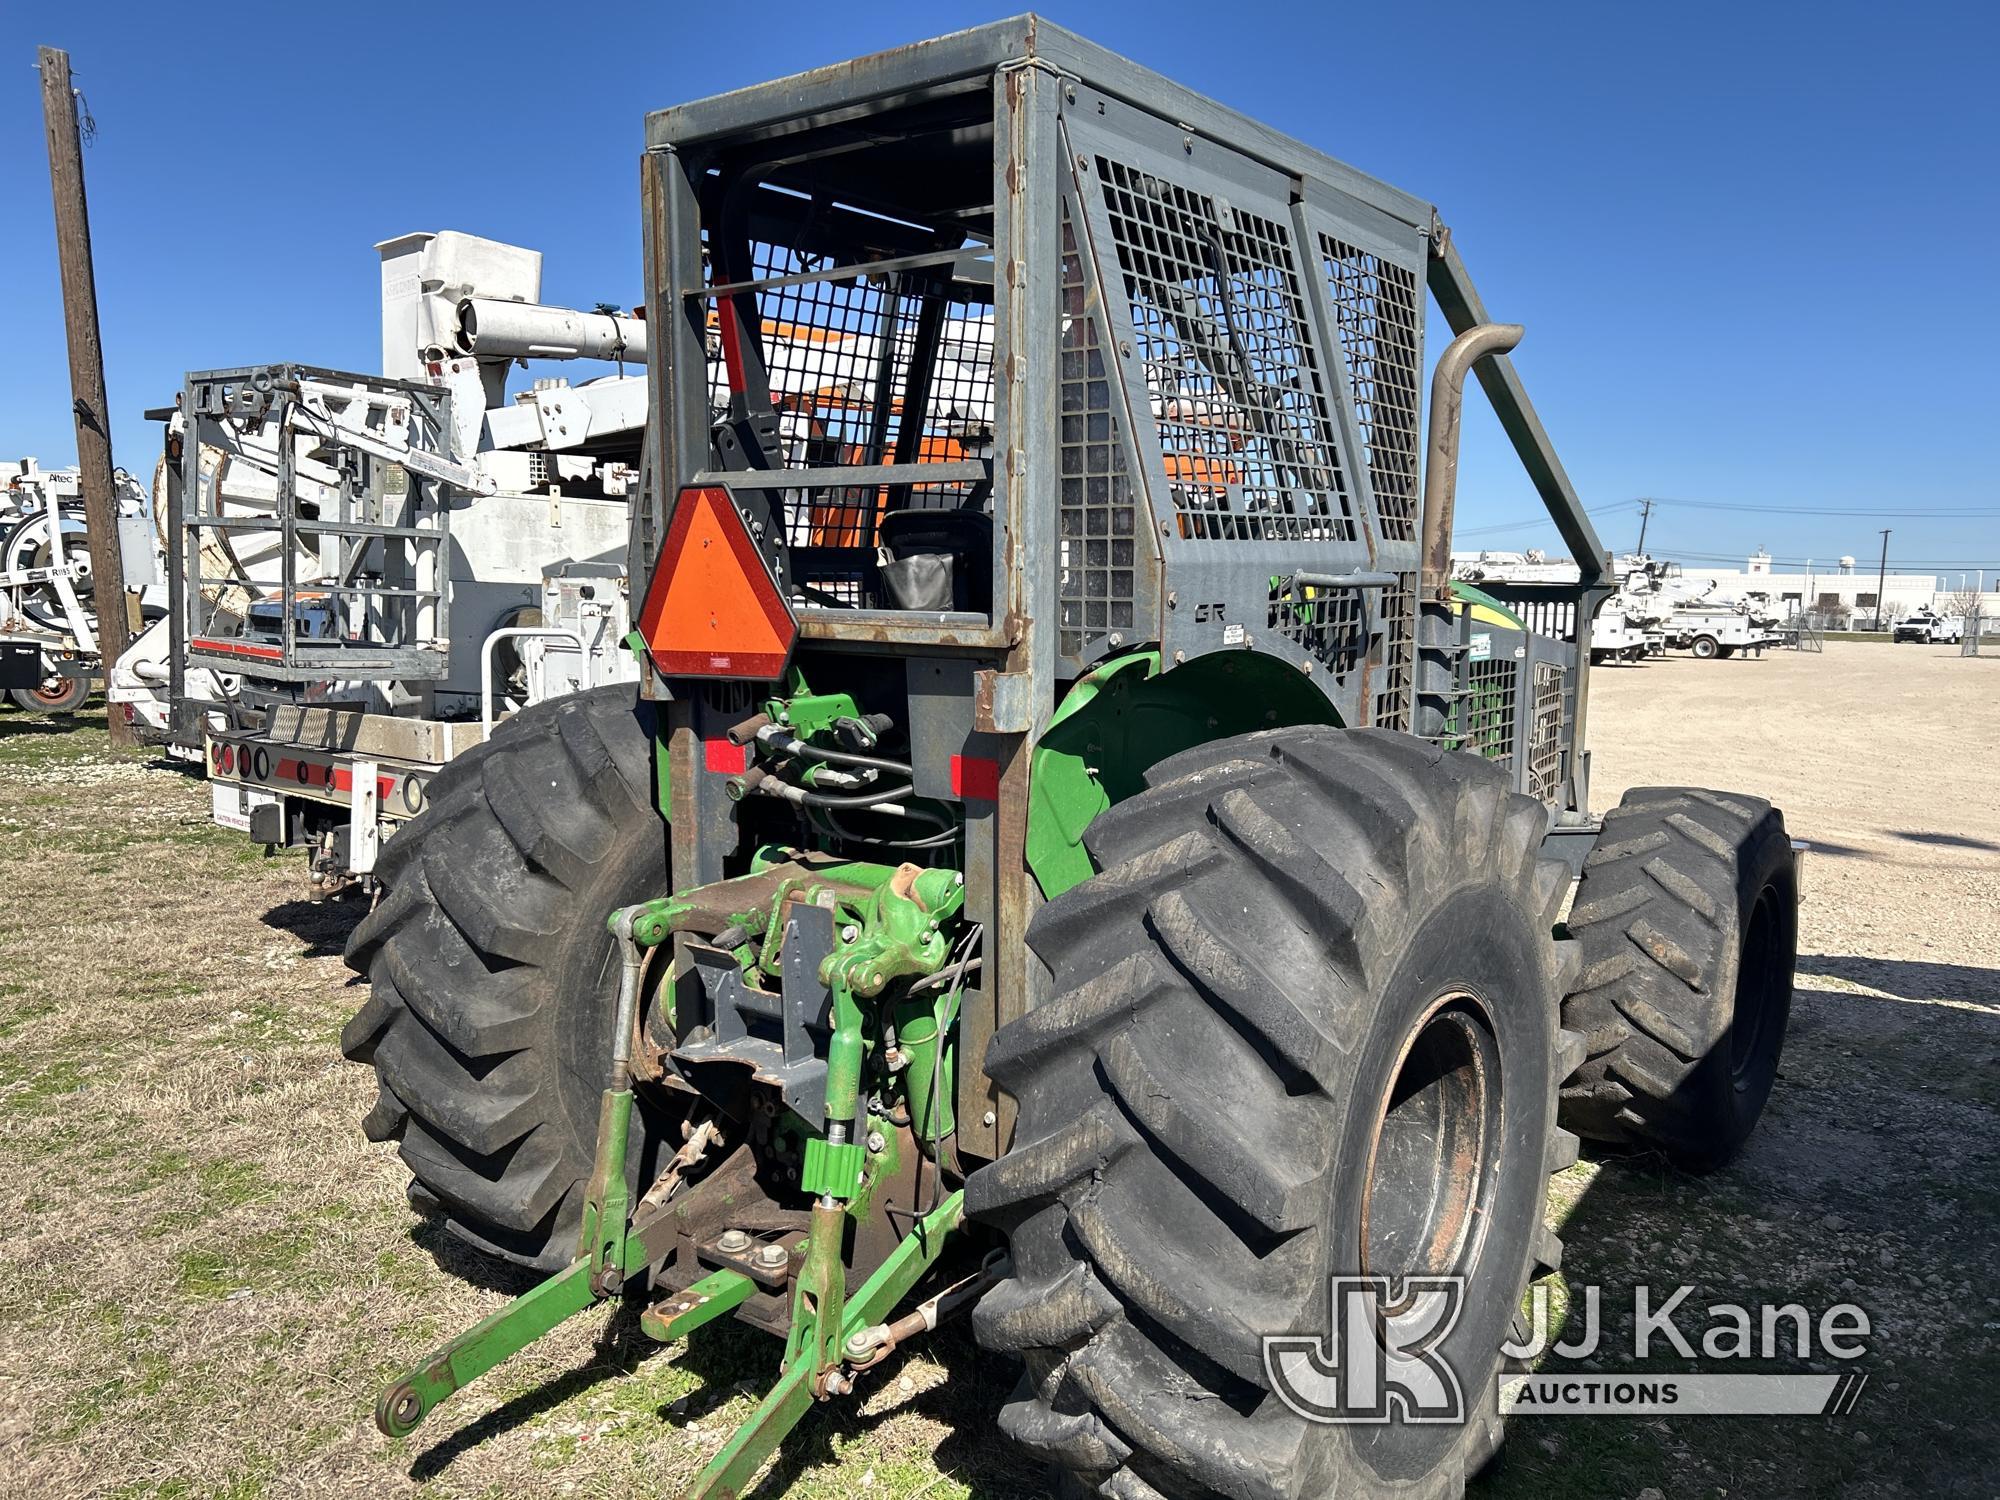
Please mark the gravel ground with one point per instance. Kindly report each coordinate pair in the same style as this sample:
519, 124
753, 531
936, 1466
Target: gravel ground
1874, 1177
1885, 758
209, 1270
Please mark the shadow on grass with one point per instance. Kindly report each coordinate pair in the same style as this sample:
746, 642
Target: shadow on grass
966, 1402
728, 1360
465, 1262
323, 926
189, 769
19, 724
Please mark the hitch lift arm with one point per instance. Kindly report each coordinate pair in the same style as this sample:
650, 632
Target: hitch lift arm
618, 1244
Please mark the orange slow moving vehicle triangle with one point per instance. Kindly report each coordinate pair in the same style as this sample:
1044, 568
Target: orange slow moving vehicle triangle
711, 608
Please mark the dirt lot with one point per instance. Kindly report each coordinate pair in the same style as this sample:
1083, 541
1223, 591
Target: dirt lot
208, 1270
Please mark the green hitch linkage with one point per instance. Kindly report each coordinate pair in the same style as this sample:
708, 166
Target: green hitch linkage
803, 1379
608, 1249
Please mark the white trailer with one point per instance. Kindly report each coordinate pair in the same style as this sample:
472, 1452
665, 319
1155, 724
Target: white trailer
48, 619
1621, 635
1713, 631
369, 571
1692, 615
1626, 627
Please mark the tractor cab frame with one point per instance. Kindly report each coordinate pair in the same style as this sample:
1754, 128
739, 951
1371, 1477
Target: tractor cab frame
1132, 383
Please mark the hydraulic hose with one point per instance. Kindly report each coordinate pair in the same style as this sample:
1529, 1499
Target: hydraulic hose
759, 782
787, 743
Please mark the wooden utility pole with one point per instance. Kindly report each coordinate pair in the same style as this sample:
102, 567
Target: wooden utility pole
86, 370
1882, 579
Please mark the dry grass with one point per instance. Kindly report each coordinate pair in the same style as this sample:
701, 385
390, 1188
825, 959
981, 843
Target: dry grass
209, 1271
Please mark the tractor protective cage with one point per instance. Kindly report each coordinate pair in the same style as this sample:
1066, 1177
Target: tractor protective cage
1127, 371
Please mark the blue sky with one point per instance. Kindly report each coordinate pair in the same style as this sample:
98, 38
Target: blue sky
1753, 245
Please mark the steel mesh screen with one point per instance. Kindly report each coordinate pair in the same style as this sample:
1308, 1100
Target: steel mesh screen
1484, 718
840, 351
1237, 398
1097, 516
1375, 307
1394, 653
1329, 624
1545, 733
889, 367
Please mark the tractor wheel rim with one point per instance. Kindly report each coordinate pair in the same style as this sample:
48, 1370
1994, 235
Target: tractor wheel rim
1435, 1149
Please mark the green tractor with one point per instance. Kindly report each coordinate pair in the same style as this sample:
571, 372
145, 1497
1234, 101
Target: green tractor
1070, 855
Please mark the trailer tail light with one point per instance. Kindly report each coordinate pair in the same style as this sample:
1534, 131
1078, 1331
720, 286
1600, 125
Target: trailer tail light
711, 608
225, 760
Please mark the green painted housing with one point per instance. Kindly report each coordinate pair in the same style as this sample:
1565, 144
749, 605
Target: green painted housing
1124, 718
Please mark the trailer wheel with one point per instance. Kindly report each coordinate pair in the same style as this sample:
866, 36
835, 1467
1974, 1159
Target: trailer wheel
1705, 647
1284, 1020
57, 694
1725, 652
1687, 916
492, 975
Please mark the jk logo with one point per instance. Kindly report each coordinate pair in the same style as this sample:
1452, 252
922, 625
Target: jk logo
1380, 1359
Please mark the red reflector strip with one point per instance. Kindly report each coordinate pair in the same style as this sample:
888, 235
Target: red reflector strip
304, 772
343, 781
975, 778
238, 648
724, 758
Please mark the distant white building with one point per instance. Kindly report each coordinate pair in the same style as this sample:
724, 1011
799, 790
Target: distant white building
1840, 585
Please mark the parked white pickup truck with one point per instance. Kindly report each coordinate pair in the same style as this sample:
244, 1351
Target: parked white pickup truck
1930, 628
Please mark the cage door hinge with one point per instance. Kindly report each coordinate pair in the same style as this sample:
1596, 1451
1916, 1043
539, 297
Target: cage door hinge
1002, 702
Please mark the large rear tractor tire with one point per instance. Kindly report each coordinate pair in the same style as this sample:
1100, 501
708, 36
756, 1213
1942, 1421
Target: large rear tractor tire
1303, 1024
492, 974
1687, 917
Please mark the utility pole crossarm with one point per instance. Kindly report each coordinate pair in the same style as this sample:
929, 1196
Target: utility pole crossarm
1459, 301
86, 370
